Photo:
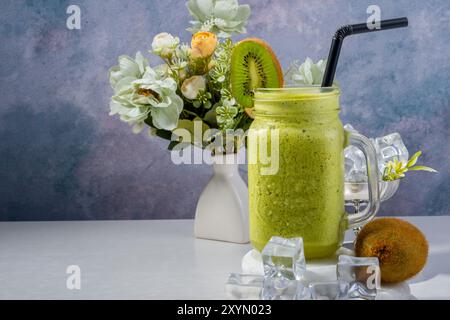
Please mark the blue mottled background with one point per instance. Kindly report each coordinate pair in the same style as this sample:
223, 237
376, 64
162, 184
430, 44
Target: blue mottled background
63, 157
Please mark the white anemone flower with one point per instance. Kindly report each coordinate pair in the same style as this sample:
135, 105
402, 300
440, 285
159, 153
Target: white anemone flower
222, 17
139, 96
129, 69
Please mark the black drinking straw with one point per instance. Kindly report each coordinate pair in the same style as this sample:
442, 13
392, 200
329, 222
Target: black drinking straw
348, 30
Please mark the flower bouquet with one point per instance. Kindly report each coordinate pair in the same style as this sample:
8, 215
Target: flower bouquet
193, 86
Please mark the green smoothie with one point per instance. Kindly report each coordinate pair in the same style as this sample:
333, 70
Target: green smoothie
305, 197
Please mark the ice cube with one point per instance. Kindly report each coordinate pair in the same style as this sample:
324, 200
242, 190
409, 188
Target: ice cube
389, 148
363, 275
284, 258
334, 290
244, 286
355, 165
280, 288
349, 163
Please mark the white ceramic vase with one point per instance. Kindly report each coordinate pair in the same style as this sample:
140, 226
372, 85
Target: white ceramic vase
222, 210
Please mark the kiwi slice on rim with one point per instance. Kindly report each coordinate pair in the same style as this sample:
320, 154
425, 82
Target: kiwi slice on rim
253, 65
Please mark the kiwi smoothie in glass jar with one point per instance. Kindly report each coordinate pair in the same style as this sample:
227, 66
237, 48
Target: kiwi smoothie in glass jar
305, 197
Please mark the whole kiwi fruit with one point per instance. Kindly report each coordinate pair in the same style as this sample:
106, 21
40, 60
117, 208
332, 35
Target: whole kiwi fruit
401, 248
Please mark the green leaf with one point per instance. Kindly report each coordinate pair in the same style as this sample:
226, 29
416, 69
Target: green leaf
190, 125
422, 168
149, 121
172, 145
164, 134
414, 159
210, 116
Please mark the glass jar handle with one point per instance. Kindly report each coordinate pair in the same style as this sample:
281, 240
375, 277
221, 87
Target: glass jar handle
361, 142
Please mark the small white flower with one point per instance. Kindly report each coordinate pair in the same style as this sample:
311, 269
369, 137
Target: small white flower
164, 44
191, 87
163, 70
179, 64
226, 112
183, 51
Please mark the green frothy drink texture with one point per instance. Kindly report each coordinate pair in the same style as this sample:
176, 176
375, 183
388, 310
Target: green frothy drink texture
305, 198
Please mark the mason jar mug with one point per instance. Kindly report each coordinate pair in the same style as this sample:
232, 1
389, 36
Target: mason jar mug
296, 169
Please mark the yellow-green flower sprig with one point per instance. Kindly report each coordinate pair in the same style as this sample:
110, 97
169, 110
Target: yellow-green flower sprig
396, 169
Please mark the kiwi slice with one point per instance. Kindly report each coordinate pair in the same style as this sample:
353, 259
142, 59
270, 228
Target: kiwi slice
253, 65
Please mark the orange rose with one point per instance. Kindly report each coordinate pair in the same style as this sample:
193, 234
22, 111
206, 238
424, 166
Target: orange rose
203, 45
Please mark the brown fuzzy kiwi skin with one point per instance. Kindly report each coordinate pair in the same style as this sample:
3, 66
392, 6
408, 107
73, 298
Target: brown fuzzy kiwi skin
401, 248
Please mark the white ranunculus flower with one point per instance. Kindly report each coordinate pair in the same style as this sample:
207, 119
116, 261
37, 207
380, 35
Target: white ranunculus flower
191, 87
308, 73
139, 96
164, 44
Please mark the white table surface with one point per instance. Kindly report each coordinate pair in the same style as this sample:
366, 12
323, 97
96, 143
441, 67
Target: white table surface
153, 260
